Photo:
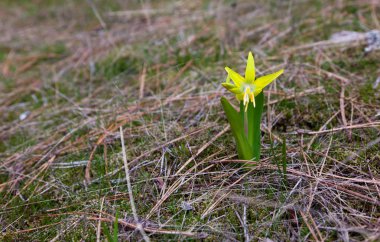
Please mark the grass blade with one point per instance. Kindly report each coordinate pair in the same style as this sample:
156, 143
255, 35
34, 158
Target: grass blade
116, 227
284, 164
107, 233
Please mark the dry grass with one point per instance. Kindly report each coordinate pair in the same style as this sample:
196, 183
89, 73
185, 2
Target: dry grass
73, 73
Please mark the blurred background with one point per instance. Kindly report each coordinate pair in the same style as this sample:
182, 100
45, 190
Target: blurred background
73, 72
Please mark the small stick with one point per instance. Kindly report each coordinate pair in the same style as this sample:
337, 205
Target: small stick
356, 126
132, 201
34, 229
309, 226
245, 227
342, 109
100, 221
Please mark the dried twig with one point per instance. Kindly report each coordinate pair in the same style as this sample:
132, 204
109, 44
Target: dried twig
130, 191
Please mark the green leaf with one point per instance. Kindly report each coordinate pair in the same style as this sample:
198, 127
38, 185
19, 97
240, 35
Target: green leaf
116, 227
254, 121
243, 148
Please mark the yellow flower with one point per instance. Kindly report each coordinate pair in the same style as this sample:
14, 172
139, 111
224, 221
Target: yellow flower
247, 88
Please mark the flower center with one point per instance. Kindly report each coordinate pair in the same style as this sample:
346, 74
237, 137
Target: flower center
249, 95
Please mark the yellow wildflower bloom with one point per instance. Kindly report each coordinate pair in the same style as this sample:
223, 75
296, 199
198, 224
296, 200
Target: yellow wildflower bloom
247, 88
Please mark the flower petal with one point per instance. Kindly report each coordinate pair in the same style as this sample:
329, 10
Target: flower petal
240, 96
232, 88
228, 86
250, 68
236, 77
257, 91
263, 81
236, 90
228, 79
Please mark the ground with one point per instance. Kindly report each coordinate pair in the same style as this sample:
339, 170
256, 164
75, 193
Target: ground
75, 75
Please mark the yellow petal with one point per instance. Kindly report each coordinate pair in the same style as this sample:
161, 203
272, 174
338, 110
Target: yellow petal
257, 91
250, 68
263, 81
236, 77
240, 96
236, 90
228, 79
231, 87
228, 86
